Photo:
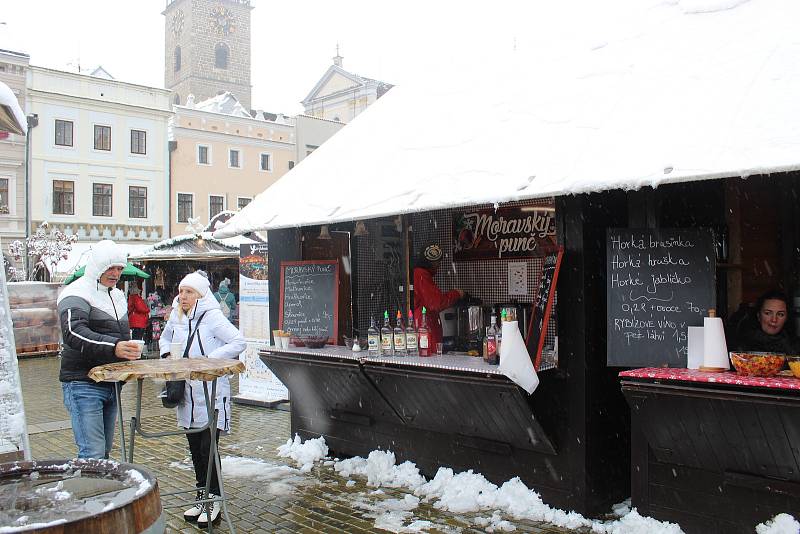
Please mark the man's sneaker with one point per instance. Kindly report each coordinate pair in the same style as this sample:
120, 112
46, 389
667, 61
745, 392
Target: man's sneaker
202, 520
194, 512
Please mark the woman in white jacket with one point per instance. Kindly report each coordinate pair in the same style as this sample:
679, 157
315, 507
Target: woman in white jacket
196, 313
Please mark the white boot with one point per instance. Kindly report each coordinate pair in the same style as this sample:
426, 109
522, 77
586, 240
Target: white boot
214, 507
194, 512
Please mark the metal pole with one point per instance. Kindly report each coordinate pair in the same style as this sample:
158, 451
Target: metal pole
33, 122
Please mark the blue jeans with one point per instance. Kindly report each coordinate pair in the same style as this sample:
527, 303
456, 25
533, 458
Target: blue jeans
93, 410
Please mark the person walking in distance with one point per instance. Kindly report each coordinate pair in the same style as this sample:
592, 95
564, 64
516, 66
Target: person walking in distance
138, 312
94, 325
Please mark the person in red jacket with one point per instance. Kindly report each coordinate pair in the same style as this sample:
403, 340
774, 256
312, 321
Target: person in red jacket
138, 312
428, 294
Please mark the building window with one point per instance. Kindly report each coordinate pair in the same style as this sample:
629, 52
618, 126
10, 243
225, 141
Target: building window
5, 209
243, 201
221, 56
234, 159
177, 58
291, 165
102, 137
138, 142
185, 202
176, 99
266, 162
202, 155
63, 133
137, 202
216, 203
101, 200
63, 197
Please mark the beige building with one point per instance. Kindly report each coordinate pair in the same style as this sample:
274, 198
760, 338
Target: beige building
99, 158
207, 49
222, 157
13, 70
341, 95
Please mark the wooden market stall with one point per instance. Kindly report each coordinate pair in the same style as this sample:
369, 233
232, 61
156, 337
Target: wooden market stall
673, 189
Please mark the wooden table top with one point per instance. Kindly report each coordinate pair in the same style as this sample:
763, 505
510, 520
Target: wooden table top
205, 369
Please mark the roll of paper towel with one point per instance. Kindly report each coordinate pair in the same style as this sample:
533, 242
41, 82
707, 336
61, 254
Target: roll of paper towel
715, 349
515, 362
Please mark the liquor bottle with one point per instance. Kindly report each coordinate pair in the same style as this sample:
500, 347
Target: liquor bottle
387, 347
499, 335
399, 336
373, 338
424, 335
492, 336
412, 349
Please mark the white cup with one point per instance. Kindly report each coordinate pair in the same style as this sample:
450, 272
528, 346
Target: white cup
139, 344
176, 350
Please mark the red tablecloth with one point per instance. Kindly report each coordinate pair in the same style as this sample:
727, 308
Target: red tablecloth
731, 378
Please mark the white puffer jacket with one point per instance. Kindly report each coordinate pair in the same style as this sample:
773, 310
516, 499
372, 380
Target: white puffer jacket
219, 339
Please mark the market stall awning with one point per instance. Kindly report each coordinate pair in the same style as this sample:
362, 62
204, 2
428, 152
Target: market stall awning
129, 270
625, 94
202, 246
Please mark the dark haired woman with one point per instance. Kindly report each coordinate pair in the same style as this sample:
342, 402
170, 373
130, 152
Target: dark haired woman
770, 334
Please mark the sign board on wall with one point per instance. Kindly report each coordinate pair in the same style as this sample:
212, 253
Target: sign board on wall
253, 291
309, 304
659, 282
257, 384
515, 232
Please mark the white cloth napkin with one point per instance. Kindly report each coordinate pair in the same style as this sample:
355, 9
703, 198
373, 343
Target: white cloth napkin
515, 362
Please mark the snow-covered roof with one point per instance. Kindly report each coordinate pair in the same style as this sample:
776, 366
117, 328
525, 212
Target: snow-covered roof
648, 93
224, 103
12, 118
202, 246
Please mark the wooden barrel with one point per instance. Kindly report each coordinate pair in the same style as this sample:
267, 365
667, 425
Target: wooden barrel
79, 496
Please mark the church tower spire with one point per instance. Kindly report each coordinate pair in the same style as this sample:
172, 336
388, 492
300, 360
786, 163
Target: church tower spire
337, 59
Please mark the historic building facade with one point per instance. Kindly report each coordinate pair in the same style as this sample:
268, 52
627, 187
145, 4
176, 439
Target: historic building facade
341, 95
207, 49
13, 71
99, 158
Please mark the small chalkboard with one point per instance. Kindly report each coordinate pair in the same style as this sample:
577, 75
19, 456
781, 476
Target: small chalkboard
309, 304
659, 282
537, 328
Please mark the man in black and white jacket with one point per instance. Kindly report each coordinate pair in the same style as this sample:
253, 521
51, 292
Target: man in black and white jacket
94, 325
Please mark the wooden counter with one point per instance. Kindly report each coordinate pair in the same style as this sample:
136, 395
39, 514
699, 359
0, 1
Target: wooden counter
451, 410
716, 452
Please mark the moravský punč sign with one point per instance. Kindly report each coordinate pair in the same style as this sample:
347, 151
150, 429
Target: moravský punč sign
518, 232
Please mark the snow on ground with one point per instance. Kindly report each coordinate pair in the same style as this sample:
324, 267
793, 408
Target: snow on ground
305, 454
277, 479
780, 524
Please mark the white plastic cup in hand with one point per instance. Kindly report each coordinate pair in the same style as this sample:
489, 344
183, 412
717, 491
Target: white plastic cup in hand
139, 345
175, 350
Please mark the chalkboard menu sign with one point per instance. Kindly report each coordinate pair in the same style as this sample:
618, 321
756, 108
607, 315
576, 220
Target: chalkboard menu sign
537, 329
659, 282
309, 304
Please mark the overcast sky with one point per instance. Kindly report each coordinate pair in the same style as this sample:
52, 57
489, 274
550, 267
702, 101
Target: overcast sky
293, 41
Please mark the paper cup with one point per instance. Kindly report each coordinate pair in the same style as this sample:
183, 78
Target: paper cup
175, 350
139, 344
284, 342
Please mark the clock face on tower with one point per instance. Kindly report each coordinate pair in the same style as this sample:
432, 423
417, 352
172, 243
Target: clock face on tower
222, 20
176, 23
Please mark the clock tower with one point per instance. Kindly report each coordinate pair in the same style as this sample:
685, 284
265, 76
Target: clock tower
207, 49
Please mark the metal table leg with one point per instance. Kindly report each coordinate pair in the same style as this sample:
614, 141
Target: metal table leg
118, 396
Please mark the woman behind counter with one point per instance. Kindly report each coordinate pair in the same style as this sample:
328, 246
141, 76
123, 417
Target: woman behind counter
770, 333
428, 294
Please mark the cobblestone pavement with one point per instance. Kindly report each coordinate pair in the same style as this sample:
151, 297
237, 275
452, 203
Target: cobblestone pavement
316, 502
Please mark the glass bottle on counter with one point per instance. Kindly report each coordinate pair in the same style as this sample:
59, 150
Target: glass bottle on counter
424, 335
499, 335
373, 337
492, 337
412, 349
399, 335
387, 347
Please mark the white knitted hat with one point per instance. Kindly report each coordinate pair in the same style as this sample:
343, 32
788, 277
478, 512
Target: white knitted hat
196, 281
